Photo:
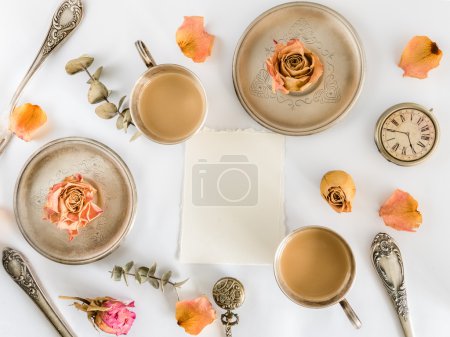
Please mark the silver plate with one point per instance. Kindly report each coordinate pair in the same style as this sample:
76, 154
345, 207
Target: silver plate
116, 195
324, 32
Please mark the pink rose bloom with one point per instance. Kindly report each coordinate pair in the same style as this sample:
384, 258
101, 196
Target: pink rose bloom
70, 204
117, 320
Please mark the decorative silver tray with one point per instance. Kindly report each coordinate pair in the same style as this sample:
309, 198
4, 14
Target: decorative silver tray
116, 195
324, 32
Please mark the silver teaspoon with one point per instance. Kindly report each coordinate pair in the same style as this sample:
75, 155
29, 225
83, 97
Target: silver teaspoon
66, 18
388, 263
19, 270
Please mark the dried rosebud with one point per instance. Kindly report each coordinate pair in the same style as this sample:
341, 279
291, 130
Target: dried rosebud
293, 67
70, 204
338, 189
194, 315
117, 320
108, 314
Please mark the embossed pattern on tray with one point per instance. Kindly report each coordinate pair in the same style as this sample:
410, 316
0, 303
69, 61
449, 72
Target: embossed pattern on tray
116, 195
329, 36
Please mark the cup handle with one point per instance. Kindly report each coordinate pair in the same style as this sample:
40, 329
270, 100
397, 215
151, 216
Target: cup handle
350, 313
145, 54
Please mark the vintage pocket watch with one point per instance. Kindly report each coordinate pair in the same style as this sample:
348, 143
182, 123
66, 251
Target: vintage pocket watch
406, 134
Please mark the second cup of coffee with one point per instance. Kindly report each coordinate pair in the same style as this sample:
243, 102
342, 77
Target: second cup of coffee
315, 268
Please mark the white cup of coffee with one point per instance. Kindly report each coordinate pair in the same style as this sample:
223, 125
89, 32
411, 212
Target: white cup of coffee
315, 268
168, 102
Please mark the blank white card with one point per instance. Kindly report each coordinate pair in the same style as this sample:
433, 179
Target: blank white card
233, 197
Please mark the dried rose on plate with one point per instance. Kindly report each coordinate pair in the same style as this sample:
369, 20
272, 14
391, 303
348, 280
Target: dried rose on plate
293, 67
70, 204
400, 212
419, 57
106, 313
193, 40
195, 314
26, 119
338, 189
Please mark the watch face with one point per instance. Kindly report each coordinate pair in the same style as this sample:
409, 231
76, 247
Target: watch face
408, 134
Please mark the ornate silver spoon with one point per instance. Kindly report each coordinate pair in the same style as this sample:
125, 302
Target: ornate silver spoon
388, 263
229, 294
19, 270
66, 18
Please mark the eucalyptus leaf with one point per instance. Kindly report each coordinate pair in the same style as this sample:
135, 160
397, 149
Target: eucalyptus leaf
79, 64
96, 75
136, 135
106, 110
154, 283
138, 277
166, 277
119, 122
179, 284
117, 273
128, 266
152, 270
141, 274
97, 92
121, 102
126, 119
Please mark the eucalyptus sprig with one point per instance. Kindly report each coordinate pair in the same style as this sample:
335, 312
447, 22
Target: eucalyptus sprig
146, 274
98, 92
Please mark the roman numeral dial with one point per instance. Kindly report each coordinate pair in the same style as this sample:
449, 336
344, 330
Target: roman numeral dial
406, 133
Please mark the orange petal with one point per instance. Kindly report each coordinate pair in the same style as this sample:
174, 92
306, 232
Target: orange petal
193, 40
194, 315
400, 212
419, 57
26, 119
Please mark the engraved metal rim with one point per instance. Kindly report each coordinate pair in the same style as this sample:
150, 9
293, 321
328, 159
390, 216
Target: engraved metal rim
130, 179
230, 279
386, 114
357, 39
142, 77
310, 304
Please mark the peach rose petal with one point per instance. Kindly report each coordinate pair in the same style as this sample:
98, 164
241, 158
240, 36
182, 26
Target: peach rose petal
400, 212
193, 40
419, 57
26, 119
194, 315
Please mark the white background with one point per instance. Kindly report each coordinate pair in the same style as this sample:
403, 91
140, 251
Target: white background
108, 32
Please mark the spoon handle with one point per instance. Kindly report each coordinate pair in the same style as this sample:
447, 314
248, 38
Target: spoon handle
66, 18
19, 270
388, 263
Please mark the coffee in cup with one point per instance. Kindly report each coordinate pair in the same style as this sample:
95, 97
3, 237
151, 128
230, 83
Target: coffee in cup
315, 268
168, 102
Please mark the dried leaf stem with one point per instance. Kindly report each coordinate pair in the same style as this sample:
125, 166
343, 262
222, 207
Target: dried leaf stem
145, 274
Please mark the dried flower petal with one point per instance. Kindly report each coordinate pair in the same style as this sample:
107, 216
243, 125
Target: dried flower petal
419, 57
400, 212
26, 119
193, 40
194, 315
338, 189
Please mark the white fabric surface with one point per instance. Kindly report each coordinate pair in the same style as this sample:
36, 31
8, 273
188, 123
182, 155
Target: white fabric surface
108, 32
233, 197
